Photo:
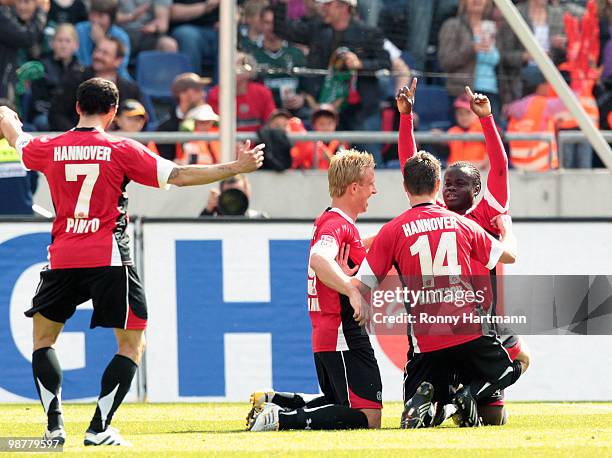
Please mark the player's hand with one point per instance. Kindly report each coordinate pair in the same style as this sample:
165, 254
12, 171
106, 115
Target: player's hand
97, 33
250, 159
405, 98
503, 223
6, 112
213, 200
352, 61
343, 258
361, 309
479, 103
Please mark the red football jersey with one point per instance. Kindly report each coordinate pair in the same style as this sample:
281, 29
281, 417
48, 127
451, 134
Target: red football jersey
331, 314
495, 199
87, 171
253, 108
433, 250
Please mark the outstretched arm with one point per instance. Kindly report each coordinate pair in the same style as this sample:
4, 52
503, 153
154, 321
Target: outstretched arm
406, 145
496, 192
248, 161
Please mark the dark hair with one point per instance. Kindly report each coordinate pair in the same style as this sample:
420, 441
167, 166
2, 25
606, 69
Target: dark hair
120, 46
109, 7
472, 171
421, 173
266, 9
7, 103
97, 96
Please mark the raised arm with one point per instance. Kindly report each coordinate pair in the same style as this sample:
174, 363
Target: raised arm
10, 125
496, 191
249, 160
406, 145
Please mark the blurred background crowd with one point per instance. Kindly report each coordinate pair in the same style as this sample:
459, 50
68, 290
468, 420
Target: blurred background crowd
312, 65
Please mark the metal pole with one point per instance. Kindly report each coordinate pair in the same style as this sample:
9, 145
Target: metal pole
227, 79
522, 31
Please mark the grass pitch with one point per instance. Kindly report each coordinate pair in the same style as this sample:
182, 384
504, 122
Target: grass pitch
543, 429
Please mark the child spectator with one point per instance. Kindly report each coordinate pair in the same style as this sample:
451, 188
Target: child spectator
201, 119
62, 12
467, 123
57, 65
533, 113
305, 154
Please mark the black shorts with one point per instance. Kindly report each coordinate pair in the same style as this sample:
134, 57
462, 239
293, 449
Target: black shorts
350, 378
485, 358
116, 292
512, 344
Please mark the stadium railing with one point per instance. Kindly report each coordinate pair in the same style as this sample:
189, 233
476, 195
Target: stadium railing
563, 138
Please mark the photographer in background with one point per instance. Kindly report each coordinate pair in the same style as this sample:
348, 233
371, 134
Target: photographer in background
232, 199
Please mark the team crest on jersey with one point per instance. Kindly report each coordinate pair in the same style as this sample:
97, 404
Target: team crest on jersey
327, 241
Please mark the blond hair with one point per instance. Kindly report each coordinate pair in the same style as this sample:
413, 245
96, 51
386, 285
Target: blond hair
69, 29
346, 167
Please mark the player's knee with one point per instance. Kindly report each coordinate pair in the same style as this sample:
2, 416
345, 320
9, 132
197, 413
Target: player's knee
374, 417
524, 358
44, 333
131, 344
493, 415
44, 341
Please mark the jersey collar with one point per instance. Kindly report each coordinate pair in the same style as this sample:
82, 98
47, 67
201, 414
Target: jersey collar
341, 213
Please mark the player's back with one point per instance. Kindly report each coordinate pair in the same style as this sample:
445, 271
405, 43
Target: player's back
87, 171
433, 249
433, 241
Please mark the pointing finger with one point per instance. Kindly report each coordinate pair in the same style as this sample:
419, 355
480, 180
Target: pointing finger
469, 92
414, 84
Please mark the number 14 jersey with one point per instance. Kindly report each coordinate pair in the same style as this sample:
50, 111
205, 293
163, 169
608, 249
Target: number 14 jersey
87, 171
432, 250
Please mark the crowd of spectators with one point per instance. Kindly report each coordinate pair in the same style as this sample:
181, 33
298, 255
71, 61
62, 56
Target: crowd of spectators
321, 65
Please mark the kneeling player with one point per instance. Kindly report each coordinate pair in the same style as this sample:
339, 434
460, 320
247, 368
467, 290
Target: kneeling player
346, 366
462, 184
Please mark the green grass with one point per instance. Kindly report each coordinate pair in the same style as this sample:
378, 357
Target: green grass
542, 429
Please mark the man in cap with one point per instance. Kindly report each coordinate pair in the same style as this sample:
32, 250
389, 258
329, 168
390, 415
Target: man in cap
131, 116
188, 93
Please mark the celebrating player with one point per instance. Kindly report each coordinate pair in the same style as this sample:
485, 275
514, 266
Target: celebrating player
344, 359
432, 249
462, 184
89, 256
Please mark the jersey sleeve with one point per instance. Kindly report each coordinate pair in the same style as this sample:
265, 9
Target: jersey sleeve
33, 154
327, 241
379, 259
485, 249
145, 167
496, 191
406, 146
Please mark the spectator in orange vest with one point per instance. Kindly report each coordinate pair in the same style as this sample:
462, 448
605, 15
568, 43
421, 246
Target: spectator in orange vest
533, 113
132, 117
467, 123
323, 119
200, 151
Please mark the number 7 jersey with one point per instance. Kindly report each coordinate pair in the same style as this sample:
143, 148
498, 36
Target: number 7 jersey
87, 171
